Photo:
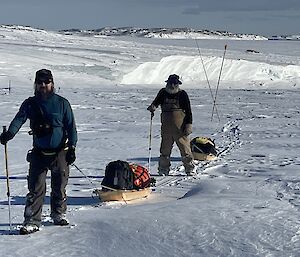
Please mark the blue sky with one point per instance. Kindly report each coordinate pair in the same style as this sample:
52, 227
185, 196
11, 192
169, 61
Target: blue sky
265, 17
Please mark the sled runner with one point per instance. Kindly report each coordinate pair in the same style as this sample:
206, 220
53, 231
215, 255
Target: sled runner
203, 149
122, 195
204, 157
124, 182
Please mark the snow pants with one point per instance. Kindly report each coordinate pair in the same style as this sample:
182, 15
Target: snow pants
172, 127
40, 163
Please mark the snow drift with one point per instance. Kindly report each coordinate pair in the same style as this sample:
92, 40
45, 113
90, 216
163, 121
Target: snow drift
191, 71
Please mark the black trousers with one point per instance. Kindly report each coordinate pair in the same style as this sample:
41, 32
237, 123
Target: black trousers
40, 163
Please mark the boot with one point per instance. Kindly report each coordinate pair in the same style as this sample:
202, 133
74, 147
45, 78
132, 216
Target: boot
28, 229
191, 170
59, 219
163, 172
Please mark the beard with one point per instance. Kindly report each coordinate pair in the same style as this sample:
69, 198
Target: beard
44, 92
172, 89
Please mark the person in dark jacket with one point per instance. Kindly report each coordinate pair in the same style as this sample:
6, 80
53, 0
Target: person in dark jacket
176, 124
54, 140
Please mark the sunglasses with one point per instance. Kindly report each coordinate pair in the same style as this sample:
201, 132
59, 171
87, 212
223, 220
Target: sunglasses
40, 82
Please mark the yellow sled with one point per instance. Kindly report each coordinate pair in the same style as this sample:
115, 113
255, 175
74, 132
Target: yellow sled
122, 195
208, 152
204, 157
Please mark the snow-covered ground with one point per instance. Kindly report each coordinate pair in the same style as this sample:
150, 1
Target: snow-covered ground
246, 203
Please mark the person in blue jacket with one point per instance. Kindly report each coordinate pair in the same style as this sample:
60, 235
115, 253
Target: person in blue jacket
54, 134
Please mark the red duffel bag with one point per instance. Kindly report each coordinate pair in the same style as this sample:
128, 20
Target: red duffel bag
141, 178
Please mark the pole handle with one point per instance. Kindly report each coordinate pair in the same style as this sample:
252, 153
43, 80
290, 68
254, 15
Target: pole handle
4, 129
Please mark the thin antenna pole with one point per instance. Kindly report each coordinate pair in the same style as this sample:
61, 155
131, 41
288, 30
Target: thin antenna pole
215, 100
207, 80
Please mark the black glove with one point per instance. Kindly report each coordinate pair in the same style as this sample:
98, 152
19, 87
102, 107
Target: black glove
70, 155
5, 137
151, 108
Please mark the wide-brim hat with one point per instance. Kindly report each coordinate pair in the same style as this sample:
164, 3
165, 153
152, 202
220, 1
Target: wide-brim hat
173, 79
43, 75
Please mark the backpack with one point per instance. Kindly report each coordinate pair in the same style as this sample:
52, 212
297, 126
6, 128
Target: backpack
141, 176
203, 145
39, 124
118, 175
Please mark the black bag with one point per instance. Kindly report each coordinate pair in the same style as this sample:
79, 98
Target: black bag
39, 125
203, 145
118, 175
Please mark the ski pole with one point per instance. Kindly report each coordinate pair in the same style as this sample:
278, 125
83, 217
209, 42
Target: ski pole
92, 183
150, 141
211, 93
215, 100
7, 181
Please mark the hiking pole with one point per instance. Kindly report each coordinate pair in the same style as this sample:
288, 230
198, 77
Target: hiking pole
215, 100
92, 183
211, 93
7, 181
150, 141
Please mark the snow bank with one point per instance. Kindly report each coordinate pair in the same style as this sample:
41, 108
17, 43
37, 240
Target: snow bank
191, 71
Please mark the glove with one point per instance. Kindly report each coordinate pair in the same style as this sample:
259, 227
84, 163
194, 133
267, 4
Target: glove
151, 108
5, 137
188, 129
70, 155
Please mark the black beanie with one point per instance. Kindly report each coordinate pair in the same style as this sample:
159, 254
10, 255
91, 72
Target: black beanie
43, 75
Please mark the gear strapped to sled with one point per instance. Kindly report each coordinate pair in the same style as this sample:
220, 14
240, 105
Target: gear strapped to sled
118, 175
122, 175
124, 182
141, 176
203, 148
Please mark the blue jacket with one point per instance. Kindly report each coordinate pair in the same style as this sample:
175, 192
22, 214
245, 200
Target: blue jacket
57, 110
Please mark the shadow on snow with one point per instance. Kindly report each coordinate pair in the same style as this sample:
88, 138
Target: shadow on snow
72, 200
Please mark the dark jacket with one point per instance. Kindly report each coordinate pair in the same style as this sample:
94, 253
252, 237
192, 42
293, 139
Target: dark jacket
57, 111
173, 102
